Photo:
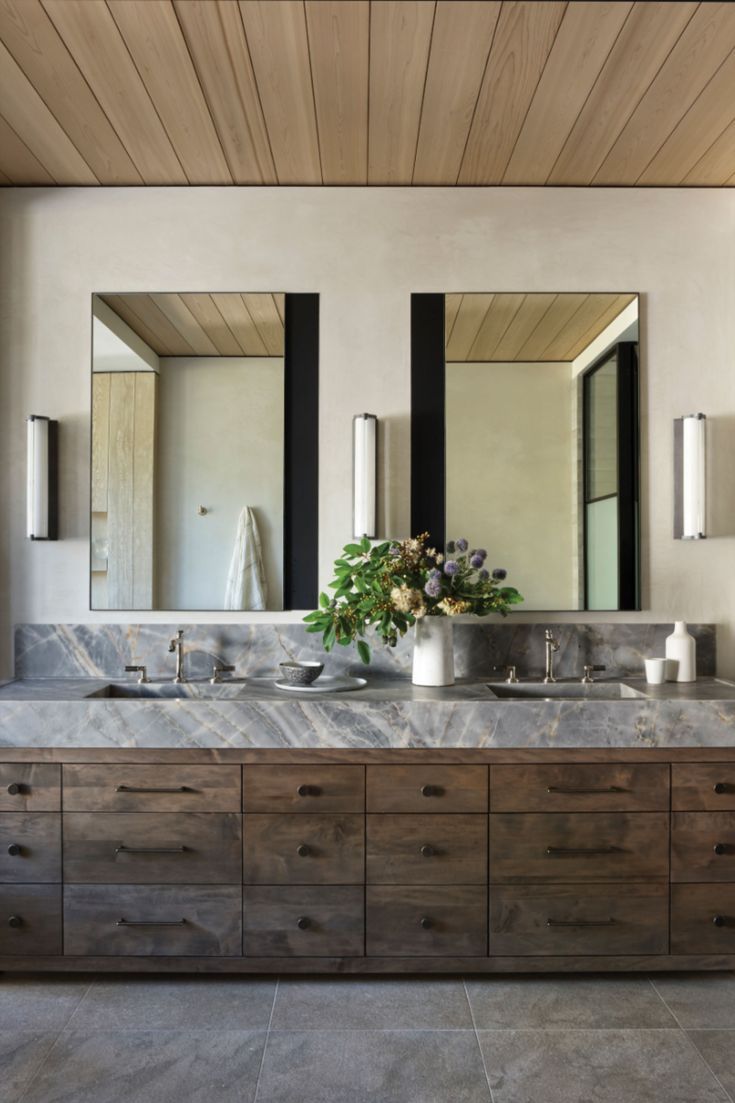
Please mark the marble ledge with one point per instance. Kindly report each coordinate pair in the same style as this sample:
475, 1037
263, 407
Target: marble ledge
59, 713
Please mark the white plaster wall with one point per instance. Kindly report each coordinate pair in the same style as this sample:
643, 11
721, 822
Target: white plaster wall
365, 251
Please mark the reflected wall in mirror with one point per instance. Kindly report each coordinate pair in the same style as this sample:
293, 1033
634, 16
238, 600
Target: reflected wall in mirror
190, 405
539, 421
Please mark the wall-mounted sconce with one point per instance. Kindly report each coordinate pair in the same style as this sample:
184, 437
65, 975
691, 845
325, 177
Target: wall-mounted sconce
42, 514
364, 475
690, 487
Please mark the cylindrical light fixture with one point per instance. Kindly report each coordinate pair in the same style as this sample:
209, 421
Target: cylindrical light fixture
364, 475
41, 499
690, 484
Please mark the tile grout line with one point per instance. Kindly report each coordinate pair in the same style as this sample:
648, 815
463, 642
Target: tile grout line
265, 1043
477, 1039
691, 1043
87, 990
62, 1029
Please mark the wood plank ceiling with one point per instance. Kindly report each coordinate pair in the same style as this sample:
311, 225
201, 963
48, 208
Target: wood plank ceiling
509, 328
351, 92
217, 324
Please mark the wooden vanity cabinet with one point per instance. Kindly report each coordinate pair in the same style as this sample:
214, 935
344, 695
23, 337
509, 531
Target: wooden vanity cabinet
367, 860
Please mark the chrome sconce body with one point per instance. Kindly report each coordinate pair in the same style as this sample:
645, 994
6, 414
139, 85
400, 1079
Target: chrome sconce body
690, 477
42, 510
365, 475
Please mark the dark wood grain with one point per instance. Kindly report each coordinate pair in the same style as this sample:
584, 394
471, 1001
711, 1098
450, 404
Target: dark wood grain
30, 919
426, 850
212, 914
639, 843
576, 787
38, 787
426, 788
304, 788
332, 921
694, 909
38, 836
95, 788
212, 844
706, 787
694, 837
457, 917
335, 849
526, 919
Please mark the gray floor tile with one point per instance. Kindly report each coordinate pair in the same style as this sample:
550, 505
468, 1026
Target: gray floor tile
699, 1000
604, 1066
176, 1003
718, 1049
39, 1002
372, 1067
566, 1002
150, 1067
21, 1052
371, 1003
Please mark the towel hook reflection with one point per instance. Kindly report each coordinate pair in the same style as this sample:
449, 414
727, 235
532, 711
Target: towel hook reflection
202, 511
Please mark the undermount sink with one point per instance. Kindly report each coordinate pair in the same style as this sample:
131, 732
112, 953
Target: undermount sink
164, 691
570, 691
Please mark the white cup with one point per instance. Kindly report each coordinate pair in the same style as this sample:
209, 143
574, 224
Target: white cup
655, 671
672, 670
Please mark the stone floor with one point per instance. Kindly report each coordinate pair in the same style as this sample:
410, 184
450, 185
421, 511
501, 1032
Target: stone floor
667, 1039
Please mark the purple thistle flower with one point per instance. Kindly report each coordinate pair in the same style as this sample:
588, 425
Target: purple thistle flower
500, 573
482, 553
484, 575
450, 567
462, 545
435, 573
433, 587
476, 560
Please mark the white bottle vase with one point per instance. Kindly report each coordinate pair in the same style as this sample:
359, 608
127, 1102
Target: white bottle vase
433, 652
683, 647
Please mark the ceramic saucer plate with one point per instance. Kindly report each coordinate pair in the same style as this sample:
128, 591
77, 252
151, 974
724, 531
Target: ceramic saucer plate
327, 683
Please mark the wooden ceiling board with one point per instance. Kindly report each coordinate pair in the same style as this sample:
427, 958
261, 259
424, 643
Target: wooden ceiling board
93, 40
339, 45
499, 317
615, 306
17, 163
400, 41
279, 50
460, 46
705, 43
216, 40
153, 36
267, 320
717, 164
234, 312
583, 43
120, 304
468, 320
184, 322
649, 34
204, 309
551, 326
523, 39
532, 310
34, 42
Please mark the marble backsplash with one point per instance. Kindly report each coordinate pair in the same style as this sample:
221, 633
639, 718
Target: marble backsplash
482, 650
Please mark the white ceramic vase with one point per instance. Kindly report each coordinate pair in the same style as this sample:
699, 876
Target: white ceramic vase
433, 652
683, 647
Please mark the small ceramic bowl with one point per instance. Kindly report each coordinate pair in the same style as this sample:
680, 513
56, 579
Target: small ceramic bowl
301, 674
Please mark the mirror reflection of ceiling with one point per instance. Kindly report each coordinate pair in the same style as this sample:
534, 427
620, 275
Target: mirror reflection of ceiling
201, 324
511, 327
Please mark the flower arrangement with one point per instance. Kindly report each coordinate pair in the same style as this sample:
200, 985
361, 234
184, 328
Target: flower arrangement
389, 586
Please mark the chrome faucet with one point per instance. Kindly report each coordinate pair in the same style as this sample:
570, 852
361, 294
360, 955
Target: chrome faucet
552, 646
177, 645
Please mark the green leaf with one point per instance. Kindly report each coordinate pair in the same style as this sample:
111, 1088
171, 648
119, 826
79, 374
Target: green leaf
363, 651
330, 635
354, 549
324, 600
364, 545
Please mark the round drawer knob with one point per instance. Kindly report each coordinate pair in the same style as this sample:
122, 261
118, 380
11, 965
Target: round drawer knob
14, 788
303, 922
719, 848
431, 790
719, 921
426, 923
14, 850
308, 790
428, 851
303, 850
720, 787
15, 921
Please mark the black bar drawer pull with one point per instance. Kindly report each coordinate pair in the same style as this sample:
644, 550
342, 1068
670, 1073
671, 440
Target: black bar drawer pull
580, 851
150, 923
580, 922
575, 790
431, 790
309, 791
155, 789
150, 849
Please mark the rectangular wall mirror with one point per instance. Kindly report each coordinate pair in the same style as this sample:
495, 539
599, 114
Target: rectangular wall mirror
525, 439
203, 451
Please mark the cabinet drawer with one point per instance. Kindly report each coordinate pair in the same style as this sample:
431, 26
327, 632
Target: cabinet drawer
427, 850
30, 787
703, 919
537, 920
304, 850
30, 919
420, 921
703, 846
153, 848
615, 846
152, 789
304, 788
30, 846
709, 788
580, 788
304, 921
145, 920
427, 788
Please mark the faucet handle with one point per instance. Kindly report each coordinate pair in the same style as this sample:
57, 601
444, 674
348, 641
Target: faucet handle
588, 670
141, 671
220, 668
512, 675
